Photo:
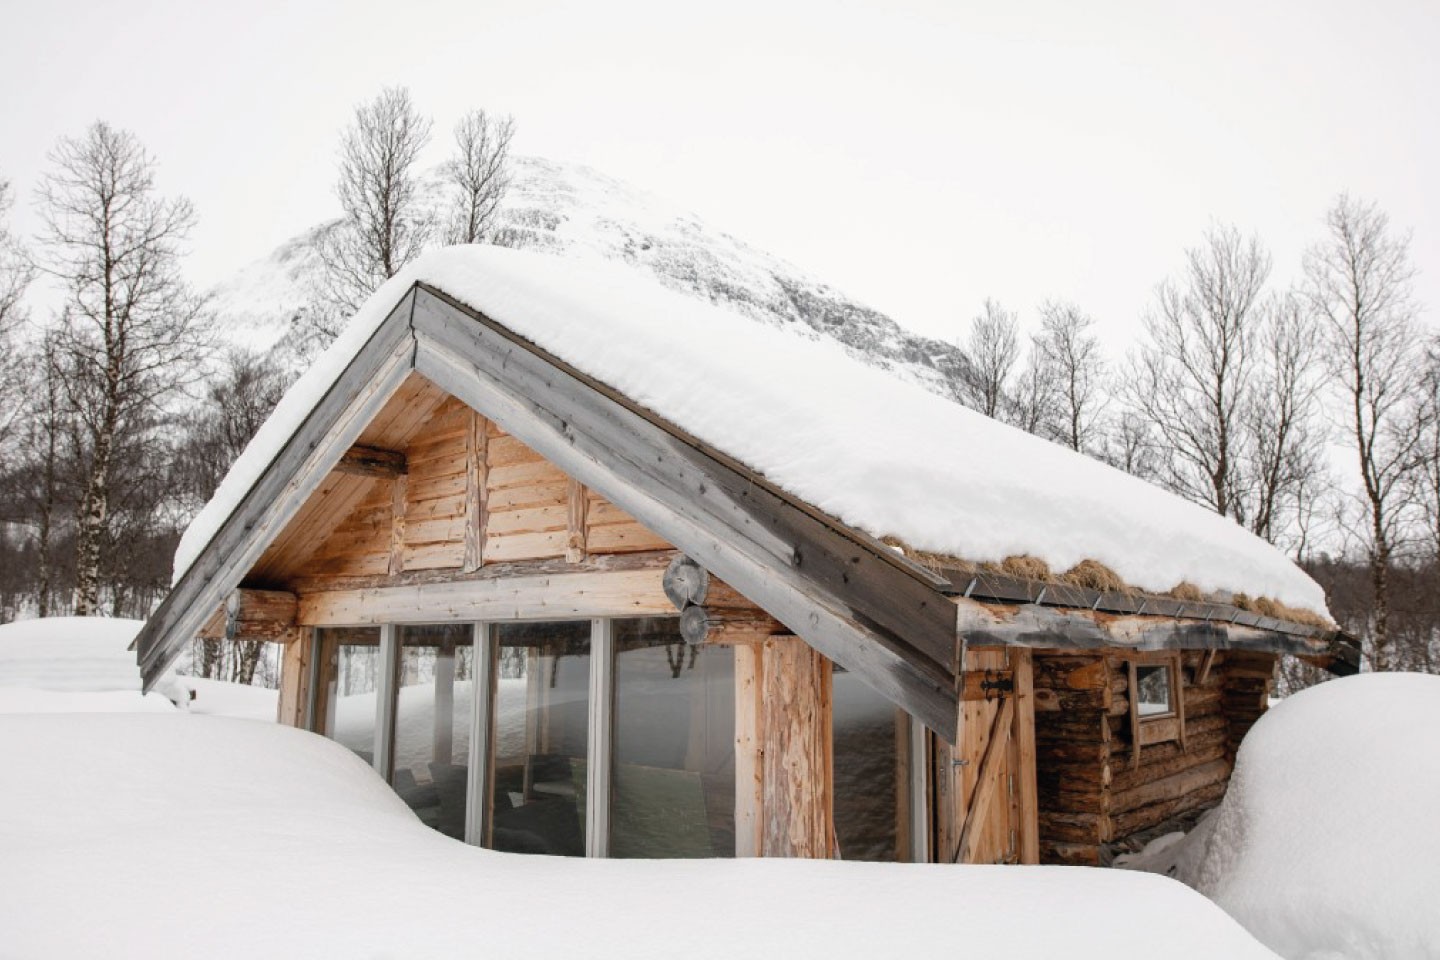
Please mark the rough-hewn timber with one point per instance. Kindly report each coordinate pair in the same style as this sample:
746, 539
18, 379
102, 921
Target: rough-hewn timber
1094, 787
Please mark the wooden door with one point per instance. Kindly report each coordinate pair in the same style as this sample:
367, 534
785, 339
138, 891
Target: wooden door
985, 784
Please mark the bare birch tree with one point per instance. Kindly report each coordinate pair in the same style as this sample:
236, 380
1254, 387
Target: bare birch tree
993, 347
477, 175
385, 225
1129, 445
15, 276
1191, 381
1032, 401
1281, 421
1359, 282
1076, 368
132, 333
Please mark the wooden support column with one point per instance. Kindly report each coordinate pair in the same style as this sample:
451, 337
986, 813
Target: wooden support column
476, 474
749, 749
798, 818
1022, 739
398, 489
295, 677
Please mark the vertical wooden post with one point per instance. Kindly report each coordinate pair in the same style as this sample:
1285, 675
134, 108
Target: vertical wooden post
295, 674
1023, 738
749, 750
325, 650
798, 762
476, 470
398, 486
577, 506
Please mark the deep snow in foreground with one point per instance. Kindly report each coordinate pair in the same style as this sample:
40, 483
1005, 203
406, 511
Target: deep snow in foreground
1326, 844
144, 836
878, 453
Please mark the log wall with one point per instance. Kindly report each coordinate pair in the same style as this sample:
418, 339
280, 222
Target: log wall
1093, 789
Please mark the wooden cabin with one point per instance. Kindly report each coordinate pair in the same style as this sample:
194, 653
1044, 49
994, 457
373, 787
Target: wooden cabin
556, 620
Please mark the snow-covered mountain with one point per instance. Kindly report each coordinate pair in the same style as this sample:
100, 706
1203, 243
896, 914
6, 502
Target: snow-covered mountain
573, 210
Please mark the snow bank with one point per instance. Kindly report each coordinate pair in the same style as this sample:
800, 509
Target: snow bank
294, 848
23, 700
69, 653
1325, 845
217, 698
876, 452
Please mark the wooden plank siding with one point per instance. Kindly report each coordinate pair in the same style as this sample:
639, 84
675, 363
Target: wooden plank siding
472, 495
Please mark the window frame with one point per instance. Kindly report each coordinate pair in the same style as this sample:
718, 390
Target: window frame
1159, 727
479, 814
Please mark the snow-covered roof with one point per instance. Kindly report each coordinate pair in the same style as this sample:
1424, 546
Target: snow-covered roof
879, 454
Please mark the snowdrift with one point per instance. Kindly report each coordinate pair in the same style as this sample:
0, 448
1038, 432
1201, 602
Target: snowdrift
1325, 845
139, 836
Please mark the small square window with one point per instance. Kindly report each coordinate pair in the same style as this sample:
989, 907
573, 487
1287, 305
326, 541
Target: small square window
1155, 692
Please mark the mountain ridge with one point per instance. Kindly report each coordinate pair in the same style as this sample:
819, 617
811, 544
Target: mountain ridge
577, 211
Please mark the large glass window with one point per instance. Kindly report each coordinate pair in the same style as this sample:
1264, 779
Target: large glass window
542, 709
871, 785
605, 737
354, 679
673, 787
434, 697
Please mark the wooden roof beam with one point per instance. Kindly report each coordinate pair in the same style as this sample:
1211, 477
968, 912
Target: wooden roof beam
1032, 625
363, 461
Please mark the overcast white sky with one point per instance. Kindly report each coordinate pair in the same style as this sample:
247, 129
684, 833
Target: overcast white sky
921, 156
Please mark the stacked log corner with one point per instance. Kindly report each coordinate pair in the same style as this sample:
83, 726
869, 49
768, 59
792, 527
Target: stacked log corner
1093, 789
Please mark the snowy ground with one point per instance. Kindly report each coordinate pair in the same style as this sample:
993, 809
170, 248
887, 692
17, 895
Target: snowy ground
85, 665
1325, 845
134, 835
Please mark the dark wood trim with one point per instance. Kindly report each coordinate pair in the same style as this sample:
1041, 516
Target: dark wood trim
362, 461
846, 598
335, 423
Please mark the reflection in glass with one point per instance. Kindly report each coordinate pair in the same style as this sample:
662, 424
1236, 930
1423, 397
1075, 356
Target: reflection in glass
870, 744
432, 723
354, 674
1153, 685
673, 788
542, 704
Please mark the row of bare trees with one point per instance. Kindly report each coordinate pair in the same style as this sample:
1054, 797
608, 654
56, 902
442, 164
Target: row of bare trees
1237, 393
122, 409
120, 413
389, 216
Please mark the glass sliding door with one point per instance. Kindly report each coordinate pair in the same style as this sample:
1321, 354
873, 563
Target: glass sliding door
673, 786
347, 710
541, 733
434, 697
